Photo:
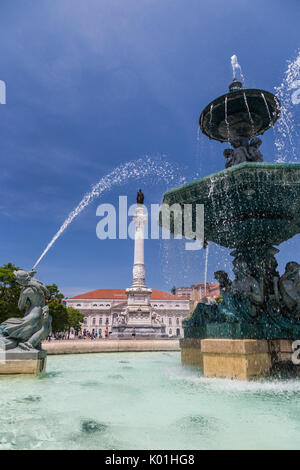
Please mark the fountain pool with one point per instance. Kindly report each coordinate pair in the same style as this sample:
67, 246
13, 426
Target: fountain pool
144, 401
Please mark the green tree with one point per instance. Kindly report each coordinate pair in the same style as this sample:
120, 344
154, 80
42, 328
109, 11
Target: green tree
173, 290
9, 293
59, 314
219, 299
54, 292
75, 319
63, 318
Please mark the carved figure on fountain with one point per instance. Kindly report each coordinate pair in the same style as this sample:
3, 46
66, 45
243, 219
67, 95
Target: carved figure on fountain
289, 287
243, 151
28, 332
255, 155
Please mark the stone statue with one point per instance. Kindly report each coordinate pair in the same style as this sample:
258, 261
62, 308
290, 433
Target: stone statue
140, 197
246, 285
228, 154
155, 317
254, 154
28, 332
122, 318
289, 287
240, 152
223, 279
243, 151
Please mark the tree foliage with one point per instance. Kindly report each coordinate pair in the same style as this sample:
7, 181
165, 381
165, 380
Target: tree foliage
9, 293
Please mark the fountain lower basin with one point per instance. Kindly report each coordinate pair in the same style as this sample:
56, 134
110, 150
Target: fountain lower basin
239, 208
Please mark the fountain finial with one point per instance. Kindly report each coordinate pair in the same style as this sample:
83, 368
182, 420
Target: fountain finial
235, 85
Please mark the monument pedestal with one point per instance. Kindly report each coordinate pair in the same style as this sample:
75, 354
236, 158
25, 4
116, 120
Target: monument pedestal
244, 359
141, 331
17, 361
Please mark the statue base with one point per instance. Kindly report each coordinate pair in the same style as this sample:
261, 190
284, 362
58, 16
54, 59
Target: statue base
146, 331
18, 361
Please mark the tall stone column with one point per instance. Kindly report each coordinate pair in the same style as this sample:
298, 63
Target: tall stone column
139, 271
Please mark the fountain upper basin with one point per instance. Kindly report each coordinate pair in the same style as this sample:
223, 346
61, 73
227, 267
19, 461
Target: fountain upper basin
241, 112
245, 205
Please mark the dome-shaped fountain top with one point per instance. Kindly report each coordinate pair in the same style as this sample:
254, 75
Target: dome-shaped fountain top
243, 112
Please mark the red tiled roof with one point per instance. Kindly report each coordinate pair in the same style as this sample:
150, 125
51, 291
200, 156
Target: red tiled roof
117, 294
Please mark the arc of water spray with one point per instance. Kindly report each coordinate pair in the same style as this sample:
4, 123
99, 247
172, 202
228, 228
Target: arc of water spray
286, 129
131, 170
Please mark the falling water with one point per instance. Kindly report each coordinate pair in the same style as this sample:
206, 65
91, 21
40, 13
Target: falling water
288, 94
249, 114
131, 170
236, 69
226, 118
210, 114
205, 268
267, 107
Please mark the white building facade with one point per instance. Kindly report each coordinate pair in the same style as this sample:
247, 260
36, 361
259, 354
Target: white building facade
102, 307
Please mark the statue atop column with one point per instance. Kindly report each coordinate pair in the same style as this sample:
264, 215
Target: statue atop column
28, 332
140, 197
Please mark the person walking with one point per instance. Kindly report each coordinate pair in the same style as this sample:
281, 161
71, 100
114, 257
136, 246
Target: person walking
133, 333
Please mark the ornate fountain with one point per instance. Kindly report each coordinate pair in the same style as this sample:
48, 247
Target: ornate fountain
249, 207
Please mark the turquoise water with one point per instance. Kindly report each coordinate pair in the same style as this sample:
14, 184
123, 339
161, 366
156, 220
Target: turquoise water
144, 401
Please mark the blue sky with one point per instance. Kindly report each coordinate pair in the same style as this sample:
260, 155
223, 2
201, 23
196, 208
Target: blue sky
92, 84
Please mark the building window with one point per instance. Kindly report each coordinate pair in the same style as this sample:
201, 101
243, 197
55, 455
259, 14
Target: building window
177, 321
170, 332
178, 332
107, 320
170, 321
162, 320
95, 305
94, 321
78, 305
85, 321
100, 321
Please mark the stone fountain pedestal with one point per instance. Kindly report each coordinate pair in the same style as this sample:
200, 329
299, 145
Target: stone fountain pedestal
18, 361
248, 208
245, 359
